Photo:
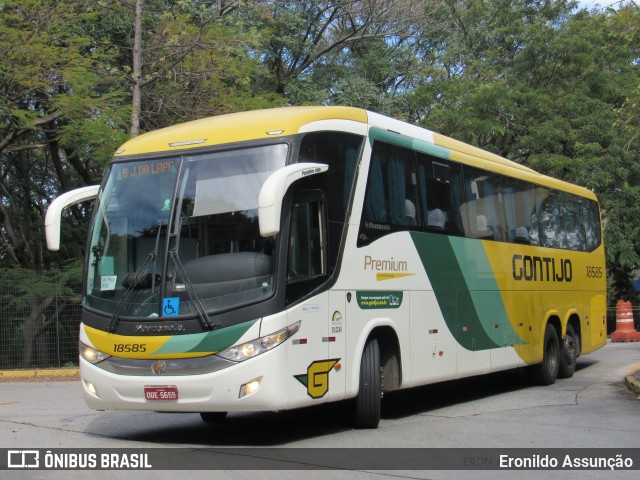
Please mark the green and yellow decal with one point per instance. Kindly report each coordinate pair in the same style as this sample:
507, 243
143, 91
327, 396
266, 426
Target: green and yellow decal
167, 346
467, 291
493, 294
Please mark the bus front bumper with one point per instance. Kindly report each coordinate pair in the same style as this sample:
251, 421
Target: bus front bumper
254, 385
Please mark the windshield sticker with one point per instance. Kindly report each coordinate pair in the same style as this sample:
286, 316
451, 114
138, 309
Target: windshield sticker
108, 282
377, 300
171, 306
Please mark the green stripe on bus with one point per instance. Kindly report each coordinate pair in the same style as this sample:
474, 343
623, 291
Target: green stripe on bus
387, 136
485, 293
214, 341
452, 293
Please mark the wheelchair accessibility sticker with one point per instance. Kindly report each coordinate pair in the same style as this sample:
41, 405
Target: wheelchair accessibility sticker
171, 306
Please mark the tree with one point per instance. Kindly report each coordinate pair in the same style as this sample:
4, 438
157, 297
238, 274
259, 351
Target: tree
548, 88
182, 58
303, 36
59, 114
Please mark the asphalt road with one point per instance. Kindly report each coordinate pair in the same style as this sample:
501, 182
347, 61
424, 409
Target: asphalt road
591, 410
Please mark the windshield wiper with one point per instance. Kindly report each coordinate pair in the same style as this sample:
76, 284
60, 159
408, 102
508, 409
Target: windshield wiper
195, 301
132, 281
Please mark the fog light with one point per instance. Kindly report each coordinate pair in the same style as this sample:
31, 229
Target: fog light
91, 388
250, 388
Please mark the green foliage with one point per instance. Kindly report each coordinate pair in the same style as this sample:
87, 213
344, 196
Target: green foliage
22, 290
537, 81
60, 113
550, 89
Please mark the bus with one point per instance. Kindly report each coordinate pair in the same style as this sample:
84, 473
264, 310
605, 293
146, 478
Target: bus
283, 258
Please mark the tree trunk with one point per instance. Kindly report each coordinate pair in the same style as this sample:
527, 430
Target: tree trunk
136, 102
32, 329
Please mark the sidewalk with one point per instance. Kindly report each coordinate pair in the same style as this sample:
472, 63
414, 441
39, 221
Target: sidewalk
40, 374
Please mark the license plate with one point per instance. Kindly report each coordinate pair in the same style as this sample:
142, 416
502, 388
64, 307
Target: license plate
164, 392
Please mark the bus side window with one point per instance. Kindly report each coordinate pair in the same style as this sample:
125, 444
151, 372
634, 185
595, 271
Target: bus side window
591, 219
519, 202
551, 222
439, 183
390, 202
483, 211
574, 224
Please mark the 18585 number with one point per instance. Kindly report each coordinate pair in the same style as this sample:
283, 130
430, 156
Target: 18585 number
129, 347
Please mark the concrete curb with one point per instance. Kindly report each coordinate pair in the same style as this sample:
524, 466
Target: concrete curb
58, 373
633, 382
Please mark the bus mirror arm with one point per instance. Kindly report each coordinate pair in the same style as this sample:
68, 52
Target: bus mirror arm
52, 219
274, 189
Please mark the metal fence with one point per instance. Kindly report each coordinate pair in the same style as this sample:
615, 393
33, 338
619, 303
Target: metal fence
39, 319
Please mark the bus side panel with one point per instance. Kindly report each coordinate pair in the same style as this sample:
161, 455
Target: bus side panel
470, 301
433, 348
537, 284
597, 324
310, 372
336, 325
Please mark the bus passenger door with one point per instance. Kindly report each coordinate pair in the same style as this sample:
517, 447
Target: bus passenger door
312, 362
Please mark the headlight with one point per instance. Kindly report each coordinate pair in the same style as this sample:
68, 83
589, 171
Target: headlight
240, 353
92, 355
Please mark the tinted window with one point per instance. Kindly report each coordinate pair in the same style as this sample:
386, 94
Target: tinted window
461, 200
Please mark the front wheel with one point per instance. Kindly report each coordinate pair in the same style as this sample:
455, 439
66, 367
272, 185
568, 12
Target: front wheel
546, 372
569, 351
369, 399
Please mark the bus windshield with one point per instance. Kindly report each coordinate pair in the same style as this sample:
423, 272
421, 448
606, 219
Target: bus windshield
175, 236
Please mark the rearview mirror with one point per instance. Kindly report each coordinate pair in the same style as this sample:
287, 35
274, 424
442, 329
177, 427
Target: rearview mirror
274, 189
52, 219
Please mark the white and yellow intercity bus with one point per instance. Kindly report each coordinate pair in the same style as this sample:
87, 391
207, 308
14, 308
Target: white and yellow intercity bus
283, 258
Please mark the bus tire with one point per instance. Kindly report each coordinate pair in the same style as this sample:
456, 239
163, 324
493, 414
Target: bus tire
545, 373
369, 399
213, 417
569, 350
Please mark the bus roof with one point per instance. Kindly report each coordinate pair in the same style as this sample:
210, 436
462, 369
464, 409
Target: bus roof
236, 127
283, 121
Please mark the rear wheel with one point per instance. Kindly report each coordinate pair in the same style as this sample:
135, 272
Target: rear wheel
546, 372
369, 399
569, 350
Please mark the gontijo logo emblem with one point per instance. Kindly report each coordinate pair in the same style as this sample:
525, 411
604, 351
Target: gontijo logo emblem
317, 377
